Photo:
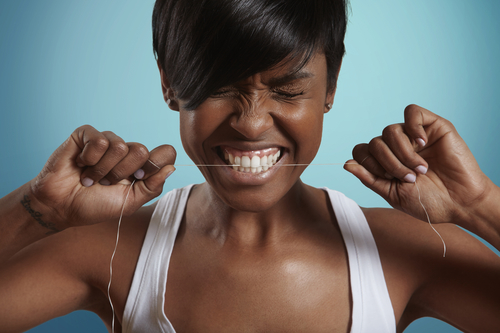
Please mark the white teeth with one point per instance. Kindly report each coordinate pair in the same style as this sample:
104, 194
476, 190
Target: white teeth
237, 161
245, 161
263, 161
255, 164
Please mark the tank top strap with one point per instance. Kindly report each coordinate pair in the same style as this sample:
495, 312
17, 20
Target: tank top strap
372, 308
144, 309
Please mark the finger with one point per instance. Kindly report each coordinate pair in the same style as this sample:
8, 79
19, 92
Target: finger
116, 150
399, 144
416, 118
362, 156
391, 164
92, 143
136, 156
152, 187
379, 185
158, 158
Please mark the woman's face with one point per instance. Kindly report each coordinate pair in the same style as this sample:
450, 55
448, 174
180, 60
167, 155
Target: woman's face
262, 123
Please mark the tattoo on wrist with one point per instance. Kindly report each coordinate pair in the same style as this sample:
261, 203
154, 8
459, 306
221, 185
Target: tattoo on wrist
26, 202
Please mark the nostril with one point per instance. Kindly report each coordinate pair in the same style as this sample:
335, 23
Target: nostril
253, 124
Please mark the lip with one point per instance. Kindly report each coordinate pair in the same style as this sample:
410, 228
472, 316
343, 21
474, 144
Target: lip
247, 178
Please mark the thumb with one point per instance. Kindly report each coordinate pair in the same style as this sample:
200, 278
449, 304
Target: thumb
148, 189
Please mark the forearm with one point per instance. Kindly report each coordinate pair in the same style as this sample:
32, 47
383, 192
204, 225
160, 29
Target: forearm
485, 219
23, 221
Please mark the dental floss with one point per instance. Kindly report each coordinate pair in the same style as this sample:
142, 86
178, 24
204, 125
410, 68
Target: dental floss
306, 164
429, 220
113, 256
223, 165
220, 165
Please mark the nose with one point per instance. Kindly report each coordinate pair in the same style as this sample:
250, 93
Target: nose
253, 119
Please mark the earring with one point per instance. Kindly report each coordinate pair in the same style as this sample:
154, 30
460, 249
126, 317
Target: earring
329, 106
169, 101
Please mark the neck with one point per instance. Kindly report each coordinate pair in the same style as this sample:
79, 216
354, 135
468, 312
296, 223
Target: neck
297, 210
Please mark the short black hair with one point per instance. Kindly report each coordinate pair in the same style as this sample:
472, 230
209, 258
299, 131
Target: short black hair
204, 45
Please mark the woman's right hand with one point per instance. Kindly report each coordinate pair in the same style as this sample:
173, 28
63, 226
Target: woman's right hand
86, 179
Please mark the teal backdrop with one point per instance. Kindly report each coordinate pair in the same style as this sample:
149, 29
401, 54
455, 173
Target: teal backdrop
65, 63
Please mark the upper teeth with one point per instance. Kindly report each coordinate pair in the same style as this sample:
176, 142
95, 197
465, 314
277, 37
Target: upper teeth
255, 164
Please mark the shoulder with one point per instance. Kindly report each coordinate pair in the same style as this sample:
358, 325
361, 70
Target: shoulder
397, 232
85, 252
91, 247
416, 272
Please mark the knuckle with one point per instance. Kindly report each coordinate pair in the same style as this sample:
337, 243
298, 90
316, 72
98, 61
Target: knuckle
448, 124
391, 131
172, 153
411, 108
140, 151
169, 153
119, 148
108, 133
376, 144
358, 149
101, 144
84, 128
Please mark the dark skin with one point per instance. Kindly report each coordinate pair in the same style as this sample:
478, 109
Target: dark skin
255, 253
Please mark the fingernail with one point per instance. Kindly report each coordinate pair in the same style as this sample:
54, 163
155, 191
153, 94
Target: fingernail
105, 182
139, 174
410, 178
87, 182
421, 169
168, 174
420, 142
388, 176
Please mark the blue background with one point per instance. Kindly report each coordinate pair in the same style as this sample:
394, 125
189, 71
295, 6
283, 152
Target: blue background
68, 63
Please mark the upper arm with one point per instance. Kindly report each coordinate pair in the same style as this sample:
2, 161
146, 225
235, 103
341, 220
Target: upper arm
41, 282
463, 289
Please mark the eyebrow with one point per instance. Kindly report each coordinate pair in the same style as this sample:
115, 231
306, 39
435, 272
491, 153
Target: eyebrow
289, 77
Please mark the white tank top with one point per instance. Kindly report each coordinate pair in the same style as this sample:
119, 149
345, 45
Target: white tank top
144, 310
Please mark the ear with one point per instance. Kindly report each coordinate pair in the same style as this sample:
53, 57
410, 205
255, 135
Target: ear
330, 96
168, 93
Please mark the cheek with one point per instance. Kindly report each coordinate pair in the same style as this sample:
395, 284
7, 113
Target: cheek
190, 134
306, 129
196, 127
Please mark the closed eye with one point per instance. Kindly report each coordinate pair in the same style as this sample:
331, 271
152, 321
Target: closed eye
288, 95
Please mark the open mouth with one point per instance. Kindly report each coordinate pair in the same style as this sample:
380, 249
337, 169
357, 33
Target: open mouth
250, 161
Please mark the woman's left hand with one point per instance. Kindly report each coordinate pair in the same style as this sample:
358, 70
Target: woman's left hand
427, 149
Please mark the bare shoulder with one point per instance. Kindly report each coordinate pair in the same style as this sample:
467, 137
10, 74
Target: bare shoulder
69, 271
398, 234
84, 248
85, 254
416, 272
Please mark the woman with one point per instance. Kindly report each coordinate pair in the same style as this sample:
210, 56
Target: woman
255, 250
